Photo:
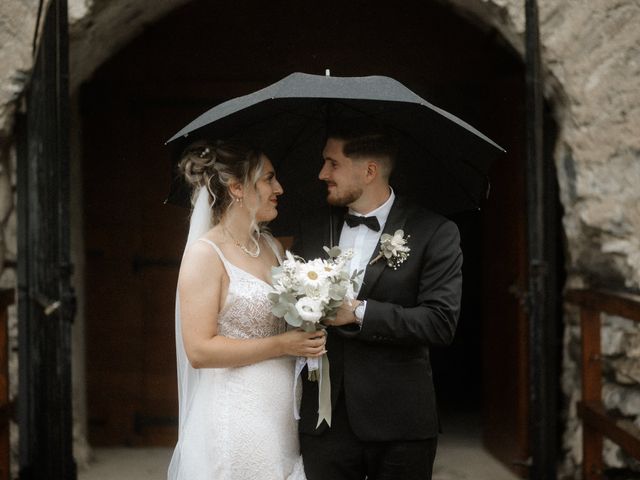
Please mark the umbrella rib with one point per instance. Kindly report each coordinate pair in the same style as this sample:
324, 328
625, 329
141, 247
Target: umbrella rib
278, 111
297, 111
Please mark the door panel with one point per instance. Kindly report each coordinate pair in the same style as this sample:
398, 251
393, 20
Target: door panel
134, 243
505, 332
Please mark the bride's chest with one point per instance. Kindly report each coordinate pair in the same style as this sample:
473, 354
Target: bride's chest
247, 311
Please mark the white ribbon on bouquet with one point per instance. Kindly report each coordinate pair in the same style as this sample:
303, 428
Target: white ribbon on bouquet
324, 386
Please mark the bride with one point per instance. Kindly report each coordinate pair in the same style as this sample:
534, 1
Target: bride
235, 359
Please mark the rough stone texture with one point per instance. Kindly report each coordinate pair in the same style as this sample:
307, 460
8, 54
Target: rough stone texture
627, 371
571, 385
17, 24
110, 25
625, 399
632, 345
591, 57
599, 151
590, 52
620, 389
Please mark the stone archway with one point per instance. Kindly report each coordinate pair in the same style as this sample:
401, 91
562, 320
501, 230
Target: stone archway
584, 49
581, 71
160, 78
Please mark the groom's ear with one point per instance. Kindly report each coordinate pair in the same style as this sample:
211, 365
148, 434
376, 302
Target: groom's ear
372, 171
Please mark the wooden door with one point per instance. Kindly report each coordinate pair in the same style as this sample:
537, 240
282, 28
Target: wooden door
505, 331
133, 247
134, 243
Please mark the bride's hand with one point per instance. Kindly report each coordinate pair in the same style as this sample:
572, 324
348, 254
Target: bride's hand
303, 344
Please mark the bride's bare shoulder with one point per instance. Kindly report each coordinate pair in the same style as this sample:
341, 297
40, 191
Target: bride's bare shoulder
201, 263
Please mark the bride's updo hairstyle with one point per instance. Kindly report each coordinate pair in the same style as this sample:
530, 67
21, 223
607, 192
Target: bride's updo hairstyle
217, 165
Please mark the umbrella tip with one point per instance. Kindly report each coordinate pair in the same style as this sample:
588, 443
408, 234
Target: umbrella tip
327, 72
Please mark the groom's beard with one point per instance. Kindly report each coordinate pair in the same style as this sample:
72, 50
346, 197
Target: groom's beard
344, 199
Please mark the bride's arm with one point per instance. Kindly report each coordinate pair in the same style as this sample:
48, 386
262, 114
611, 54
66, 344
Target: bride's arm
199, 286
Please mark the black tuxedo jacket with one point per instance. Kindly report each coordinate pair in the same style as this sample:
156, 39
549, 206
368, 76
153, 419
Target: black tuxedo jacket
383, 369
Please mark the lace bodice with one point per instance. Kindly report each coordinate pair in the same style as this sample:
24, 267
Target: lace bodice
247, 309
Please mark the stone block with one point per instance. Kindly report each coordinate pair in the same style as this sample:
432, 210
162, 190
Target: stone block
632, 345
627, 370
612, 340
612, 454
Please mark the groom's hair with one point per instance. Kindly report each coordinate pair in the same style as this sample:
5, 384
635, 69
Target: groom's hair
366, 139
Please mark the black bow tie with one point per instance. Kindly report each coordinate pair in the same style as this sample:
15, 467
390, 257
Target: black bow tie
354, 220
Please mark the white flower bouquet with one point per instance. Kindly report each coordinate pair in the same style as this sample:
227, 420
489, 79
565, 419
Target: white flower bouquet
307, 292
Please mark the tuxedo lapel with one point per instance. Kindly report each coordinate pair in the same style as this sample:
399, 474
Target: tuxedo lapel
396, 220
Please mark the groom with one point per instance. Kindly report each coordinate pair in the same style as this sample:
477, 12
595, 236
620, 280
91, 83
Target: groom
384, 421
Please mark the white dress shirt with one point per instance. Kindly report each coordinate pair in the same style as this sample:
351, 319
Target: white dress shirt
362, 239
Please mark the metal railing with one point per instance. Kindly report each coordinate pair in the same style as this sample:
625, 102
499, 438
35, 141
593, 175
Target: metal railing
596, 422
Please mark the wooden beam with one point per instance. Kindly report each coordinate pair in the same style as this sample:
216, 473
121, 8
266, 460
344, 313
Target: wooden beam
621, 431
592, 464
591, 357
625, 305
596, 423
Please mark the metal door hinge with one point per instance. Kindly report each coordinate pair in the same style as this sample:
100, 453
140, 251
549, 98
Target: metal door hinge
49, 307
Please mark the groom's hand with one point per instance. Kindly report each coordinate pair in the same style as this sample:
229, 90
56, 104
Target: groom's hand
344, 314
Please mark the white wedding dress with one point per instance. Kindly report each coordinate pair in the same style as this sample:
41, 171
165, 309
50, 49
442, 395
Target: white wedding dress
237, 423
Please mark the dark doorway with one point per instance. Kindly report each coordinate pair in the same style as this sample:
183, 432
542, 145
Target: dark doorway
205, 53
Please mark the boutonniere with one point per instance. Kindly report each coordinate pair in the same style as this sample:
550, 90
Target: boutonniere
393, 248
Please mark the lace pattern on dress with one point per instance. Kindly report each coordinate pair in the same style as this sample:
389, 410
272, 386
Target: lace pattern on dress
243, 314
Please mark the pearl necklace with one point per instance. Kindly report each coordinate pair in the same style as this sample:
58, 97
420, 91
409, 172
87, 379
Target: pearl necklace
255, 254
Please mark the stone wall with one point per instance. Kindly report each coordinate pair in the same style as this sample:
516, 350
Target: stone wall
620, 345
591, 56
17, 24
110, 25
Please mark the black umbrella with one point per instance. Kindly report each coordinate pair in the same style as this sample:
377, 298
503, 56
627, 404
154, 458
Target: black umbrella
443, 161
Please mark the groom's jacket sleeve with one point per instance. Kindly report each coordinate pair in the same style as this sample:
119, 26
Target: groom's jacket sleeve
431, 316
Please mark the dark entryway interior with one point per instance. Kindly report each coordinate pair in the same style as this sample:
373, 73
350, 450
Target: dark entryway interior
207, 52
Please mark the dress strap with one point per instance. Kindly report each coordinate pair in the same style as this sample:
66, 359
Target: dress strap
227, 264
273, 246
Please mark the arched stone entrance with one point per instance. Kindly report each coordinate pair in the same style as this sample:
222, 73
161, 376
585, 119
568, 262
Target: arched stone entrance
202, 54
589, 53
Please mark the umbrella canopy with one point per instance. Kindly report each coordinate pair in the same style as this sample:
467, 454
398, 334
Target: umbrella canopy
442, 161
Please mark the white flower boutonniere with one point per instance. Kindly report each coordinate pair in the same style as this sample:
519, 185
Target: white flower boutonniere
393, 248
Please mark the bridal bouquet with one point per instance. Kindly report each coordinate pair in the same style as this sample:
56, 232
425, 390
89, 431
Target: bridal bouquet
307, 292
